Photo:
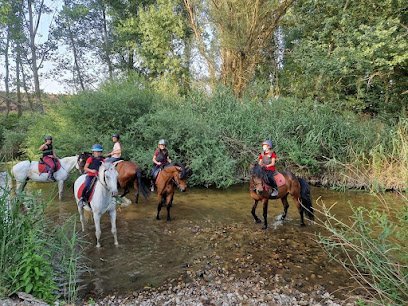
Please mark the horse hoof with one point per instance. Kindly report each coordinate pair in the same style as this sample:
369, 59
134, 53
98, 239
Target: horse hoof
282, 218
264, 227
157, 218
98, 245
116, 244
302, 224
258, 221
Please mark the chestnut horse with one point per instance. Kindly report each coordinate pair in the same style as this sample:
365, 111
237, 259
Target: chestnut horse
128, 173
170, 177
296, 187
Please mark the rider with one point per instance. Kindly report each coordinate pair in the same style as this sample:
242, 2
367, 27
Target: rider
49, 157
160, 159
91, 168
117, 149
267, 160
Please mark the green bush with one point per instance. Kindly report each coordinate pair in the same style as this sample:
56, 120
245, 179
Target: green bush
217, 135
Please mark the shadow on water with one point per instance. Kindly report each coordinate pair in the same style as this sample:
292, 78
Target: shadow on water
206, 222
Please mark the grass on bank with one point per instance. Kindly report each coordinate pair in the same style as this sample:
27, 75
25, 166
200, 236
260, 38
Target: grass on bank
373, 248
35, 256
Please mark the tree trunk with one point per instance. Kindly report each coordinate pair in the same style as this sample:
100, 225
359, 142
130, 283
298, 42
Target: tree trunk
76, 63
28, 94
18, 63
7, 68
106, 43
33, 32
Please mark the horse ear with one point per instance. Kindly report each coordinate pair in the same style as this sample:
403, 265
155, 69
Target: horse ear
178, 168
189, 172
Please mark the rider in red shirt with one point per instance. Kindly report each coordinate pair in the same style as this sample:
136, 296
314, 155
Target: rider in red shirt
91, 168
267, 160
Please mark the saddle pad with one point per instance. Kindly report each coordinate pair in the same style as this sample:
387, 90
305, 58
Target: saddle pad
117, 162
279, 179
42, 167
81, 189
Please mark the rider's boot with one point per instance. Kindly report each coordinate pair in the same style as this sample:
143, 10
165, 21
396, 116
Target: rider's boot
51, 176
274, 192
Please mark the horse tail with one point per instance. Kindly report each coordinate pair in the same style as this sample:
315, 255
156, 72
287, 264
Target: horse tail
306, 198
142, 186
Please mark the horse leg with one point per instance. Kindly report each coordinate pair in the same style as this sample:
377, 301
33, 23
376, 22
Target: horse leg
285, 207
265, 213
298, 201
97, 220
136, 187
159, 208
112, 214
81, 217
257, 220
169, 202
60, 189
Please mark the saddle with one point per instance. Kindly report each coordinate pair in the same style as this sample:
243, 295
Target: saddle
82, 187
117, 162
279, 180
46, 163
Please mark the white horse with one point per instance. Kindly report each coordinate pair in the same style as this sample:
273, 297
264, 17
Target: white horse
102, 199
28, 170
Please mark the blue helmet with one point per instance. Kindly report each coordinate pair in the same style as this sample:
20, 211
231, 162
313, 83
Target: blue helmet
97, 148
268, 143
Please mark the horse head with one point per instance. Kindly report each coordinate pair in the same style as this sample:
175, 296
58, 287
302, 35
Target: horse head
181, 175
82, 157
258, 178
108, 176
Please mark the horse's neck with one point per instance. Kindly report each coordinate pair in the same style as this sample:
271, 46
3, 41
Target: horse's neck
68, 163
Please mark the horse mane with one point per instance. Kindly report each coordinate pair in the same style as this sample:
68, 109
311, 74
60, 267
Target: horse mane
183, 170
258, 171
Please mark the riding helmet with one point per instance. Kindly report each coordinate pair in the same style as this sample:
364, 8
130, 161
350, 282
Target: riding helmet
97, 148
48, 137
116, 135
268, 143
162, 142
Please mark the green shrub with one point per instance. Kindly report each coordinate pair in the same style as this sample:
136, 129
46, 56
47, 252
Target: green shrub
217, 135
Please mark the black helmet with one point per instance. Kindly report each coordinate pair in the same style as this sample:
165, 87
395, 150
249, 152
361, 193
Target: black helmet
116, 135
48, 137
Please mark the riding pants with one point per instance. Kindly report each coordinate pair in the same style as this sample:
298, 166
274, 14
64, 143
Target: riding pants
89, 182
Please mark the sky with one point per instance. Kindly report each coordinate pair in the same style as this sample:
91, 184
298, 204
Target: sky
48, 83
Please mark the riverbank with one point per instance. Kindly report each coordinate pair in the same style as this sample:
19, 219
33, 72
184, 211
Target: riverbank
236, 273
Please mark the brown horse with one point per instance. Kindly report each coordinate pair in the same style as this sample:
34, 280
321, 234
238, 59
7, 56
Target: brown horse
128, 173
170, 177
296, 187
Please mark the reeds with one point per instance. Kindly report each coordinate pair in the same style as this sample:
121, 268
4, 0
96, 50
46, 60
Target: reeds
35, 256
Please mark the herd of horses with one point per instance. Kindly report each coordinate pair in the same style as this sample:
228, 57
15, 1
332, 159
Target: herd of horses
127, 174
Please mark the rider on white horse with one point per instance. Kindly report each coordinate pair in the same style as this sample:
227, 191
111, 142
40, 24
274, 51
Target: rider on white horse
49, 157
91, 168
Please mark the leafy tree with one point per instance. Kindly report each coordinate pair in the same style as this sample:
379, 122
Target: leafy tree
340, 53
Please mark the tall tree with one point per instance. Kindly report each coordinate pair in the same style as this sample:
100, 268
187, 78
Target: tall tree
244, 29
36, 9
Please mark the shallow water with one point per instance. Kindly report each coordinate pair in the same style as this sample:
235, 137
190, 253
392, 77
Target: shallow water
204, 222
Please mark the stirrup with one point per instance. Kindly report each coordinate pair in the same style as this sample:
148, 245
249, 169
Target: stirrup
274, 192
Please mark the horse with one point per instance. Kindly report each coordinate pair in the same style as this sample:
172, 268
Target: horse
101, 199
28, 170
128, 173
171, 176
296, 187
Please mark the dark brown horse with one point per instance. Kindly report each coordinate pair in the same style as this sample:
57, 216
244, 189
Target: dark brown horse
170, 177
128, 173
296, 187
